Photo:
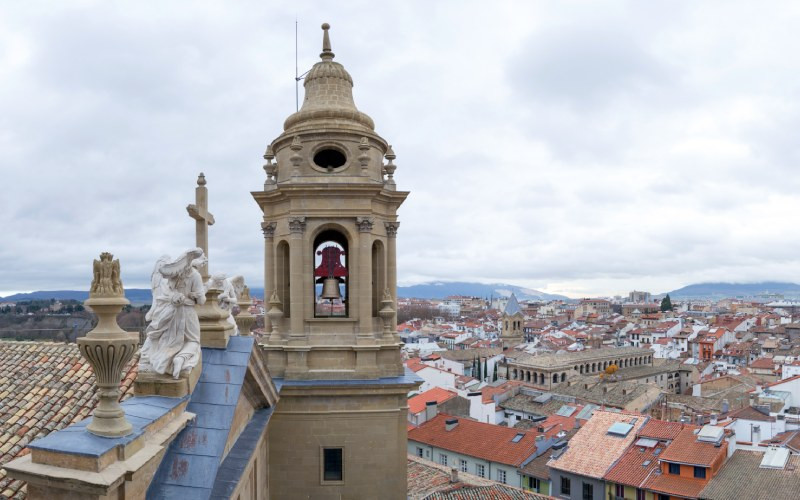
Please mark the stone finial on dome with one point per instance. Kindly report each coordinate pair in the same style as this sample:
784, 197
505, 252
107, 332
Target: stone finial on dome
327, 54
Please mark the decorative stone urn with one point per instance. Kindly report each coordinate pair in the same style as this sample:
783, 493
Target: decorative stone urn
387, 314
108, 348
275, 314
245, 320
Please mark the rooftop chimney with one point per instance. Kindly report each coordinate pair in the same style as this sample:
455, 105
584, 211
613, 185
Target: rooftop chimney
450, 424
453, 475
431, 410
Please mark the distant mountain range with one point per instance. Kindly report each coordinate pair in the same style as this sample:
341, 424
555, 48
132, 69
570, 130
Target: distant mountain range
437, 290
441, 289
733, 290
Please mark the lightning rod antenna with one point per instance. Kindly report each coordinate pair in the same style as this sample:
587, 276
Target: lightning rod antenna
296, 71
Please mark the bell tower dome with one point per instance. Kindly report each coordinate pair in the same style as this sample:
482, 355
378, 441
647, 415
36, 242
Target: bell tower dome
329, 208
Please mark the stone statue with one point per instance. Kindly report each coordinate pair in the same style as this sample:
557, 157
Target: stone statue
106, 280
231, 291
173, 335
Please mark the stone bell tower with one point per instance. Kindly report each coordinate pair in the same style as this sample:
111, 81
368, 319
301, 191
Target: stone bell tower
330, 222
511, 323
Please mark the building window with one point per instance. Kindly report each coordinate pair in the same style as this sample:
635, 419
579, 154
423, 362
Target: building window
333, 464
463, 465
565, 486
674, 468
501, 476
419, 452
534, 484
588, 491
480, 470
700, 472
619, 490
663, 497
442, 459
640, 494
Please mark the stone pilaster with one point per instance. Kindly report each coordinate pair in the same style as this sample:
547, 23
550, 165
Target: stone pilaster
297, 226
268, 228
391, 268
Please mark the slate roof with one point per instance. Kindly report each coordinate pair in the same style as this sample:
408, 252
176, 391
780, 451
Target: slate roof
512, 307
192, 462
592, 451
477, 439
44, 387
741, 477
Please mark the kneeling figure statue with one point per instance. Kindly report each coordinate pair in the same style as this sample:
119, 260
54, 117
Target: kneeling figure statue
173, 335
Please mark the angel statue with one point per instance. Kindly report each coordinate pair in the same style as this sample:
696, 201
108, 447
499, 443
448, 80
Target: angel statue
229, 298
173, 335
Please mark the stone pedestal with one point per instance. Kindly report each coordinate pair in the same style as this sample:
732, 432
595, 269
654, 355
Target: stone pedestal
214, 327
156, 384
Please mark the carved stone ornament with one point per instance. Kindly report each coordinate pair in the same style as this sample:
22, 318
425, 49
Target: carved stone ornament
386, 313
108, 348
106, 281
268, 228
391, 228
296, 157
364, 224
297, 225
270, 168
363, 158
275, 313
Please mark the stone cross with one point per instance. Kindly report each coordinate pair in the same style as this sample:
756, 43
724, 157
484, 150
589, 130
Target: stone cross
203, 218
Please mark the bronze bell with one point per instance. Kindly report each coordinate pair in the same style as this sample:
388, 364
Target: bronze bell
330, 289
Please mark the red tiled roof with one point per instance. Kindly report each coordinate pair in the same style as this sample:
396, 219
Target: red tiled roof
675, 485
44, 387
416, 404
662, 430
763, 363
635, 466
592, 451
488, 392
686, 449
477, 439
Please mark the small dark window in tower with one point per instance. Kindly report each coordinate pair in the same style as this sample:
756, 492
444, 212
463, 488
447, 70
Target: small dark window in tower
333, 464
329, 158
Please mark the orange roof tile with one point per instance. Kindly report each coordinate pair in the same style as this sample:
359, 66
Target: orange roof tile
686, 449
662, 430
477, 439
635, 466
592, 450
675, 485
44, 386
417, 403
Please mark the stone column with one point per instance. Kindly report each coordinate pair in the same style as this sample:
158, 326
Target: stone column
297, 226
391, 265
268, 228
365, 325
108, 347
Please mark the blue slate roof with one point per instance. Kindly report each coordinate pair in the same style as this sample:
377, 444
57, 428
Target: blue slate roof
190, 467
230, 472
75, 439
512, 307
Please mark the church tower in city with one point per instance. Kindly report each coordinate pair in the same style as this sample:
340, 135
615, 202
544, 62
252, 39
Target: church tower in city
330, 223
511, 324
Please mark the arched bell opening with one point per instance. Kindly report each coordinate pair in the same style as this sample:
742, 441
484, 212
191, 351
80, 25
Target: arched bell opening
282, 275
331, 275
378, 276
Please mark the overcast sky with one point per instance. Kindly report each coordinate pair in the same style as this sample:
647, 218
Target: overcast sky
584, 148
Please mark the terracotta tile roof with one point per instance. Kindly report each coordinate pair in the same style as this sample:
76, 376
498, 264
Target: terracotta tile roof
477, 439
44, 386
675, 485
417, 403
763, 363
592, 450
635, 466
750, 413
662, 430
489, 392
741, 477
686, 449
428, 480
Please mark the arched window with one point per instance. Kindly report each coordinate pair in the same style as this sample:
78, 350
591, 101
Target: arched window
555, 378
378, 276
563, 377
331, 276
541, 379
282, 274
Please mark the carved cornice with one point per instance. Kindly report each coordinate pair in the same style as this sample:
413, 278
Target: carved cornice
268, 228
297, 225
391, 228
364, 224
